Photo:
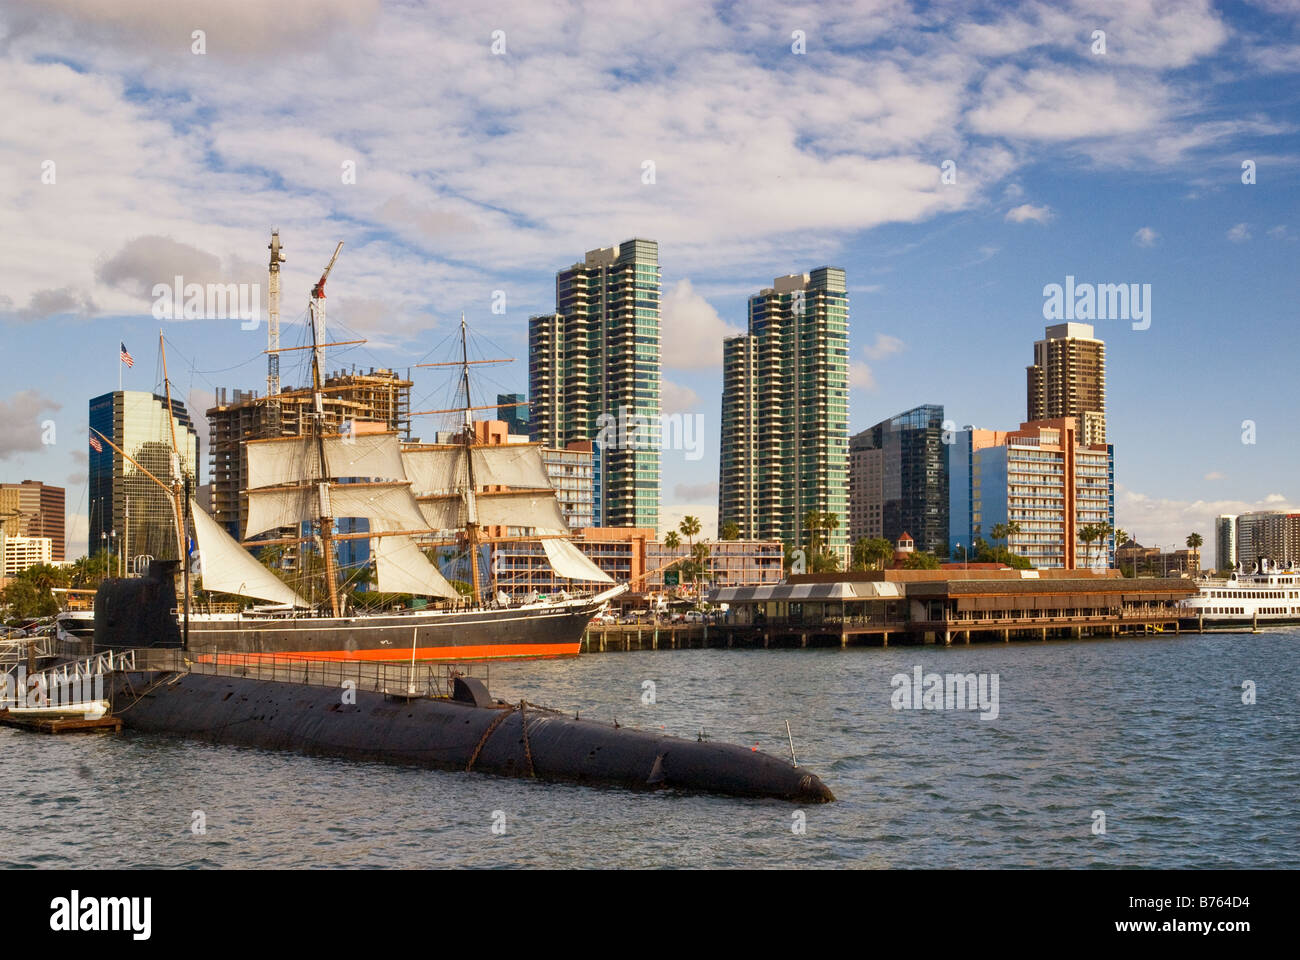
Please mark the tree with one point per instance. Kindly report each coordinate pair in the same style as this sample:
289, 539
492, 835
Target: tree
1194, 543
1012, 529
999, 532
700, 554
26, 601
730, 531
921, 561
1104, 532
812, 522
89, 571
1088, 534
672, 541
690, 528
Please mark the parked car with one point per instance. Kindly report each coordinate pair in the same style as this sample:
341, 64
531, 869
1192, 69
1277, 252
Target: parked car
694, 616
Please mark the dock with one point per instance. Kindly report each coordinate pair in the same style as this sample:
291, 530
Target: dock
106, 724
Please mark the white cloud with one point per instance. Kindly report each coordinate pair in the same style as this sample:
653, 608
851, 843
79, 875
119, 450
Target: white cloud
21, 420
691, 330
1278, 232
675, 398
1027, 211
1214, 475
884, 346
1146, 237
1160, 521
670, 516
1240, 233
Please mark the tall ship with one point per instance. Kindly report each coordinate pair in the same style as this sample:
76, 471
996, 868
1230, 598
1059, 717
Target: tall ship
416, 498
1269, 595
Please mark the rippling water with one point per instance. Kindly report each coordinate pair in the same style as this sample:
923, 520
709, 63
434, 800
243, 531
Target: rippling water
1152, 732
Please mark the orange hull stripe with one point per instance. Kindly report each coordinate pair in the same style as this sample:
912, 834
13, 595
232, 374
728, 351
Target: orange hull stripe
488, 651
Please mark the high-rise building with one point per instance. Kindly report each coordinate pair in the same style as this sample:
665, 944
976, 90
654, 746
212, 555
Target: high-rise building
41, 513
1225, 541
898, 480
1042, 477
593, 374
141, 424
19, 553
514, 416
785, 419
1068, 379
1272, 535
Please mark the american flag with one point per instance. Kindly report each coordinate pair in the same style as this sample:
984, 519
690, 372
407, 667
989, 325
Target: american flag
95, 444
125, 356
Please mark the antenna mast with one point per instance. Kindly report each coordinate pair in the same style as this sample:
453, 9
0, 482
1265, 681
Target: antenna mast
318, 405
471, 506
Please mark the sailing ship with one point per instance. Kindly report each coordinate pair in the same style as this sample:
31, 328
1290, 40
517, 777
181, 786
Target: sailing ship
413, 496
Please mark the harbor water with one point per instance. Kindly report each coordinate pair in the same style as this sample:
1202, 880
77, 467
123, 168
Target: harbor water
1132, 752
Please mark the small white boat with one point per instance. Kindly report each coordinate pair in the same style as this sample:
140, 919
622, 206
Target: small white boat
87, 709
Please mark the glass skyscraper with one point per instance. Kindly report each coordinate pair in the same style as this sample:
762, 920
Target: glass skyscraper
593, 374
908, 490
785, 418
139, 423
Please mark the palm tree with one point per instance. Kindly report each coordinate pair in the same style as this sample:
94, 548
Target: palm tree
672, 541
812, 522
1104, 532
830, 523
690, 527
700, 554
1194, 544
1088, 536
730, 531
1012, 529
999, 532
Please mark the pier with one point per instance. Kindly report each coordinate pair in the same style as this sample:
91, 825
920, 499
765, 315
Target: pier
879, 608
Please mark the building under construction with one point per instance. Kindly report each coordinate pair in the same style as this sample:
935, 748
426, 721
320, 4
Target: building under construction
380, 399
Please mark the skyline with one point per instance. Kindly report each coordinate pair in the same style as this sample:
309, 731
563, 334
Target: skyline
494, 171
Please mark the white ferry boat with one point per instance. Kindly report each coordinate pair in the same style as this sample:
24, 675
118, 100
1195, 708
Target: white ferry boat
1267, 596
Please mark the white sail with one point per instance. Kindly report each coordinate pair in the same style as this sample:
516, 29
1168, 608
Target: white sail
401, 567
273, 509
443, 513
226, 567
270, 509
287, 460
510, 465
534, 509
434, 470
390, 502
571, 563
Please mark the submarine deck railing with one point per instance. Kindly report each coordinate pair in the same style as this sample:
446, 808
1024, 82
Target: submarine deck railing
396, 678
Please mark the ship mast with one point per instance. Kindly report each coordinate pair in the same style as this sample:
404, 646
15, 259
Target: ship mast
471, 506
318, 426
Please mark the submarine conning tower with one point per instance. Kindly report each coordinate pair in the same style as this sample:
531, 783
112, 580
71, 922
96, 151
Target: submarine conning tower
138, 611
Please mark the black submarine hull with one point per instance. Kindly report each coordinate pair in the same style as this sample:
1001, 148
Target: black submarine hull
514, 741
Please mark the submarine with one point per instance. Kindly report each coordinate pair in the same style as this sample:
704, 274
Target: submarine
466, 729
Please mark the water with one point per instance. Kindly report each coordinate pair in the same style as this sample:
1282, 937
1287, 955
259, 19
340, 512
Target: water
1152, 732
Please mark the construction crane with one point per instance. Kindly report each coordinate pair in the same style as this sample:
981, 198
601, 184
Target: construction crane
273, 317
318, 320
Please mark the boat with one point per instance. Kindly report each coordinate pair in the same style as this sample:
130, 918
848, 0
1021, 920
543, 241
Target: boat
1269, 595
89, 710
414, 496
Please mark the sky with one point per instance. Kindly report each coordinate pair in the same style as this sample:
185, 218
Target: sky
954, 158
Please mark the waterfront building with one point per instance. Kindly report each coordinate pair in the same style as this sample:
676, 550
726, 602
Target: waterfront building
377, 401
594, 375
19, 553
1068, 379
515, 416
633, 554
1153, 561
141, 424
571, 474
41, 512
898, 480
784, 444
1225, 541
1041, 476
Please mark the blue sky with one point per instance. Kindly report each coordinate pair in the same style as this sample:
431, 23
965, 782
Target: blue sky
479, 171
